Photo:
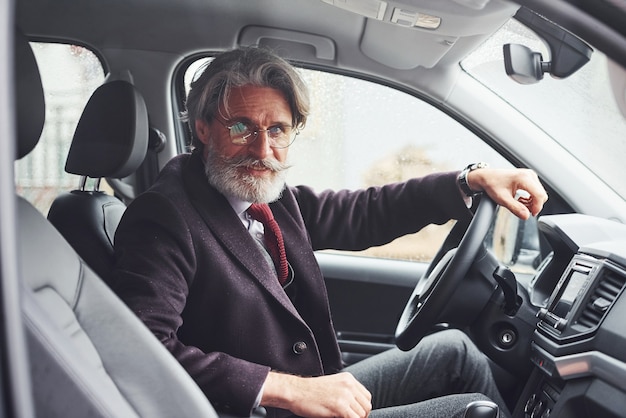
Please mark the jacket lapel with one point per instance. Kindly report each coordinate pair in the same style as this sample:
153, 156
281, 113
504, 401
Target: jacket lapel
299, 253
226, 226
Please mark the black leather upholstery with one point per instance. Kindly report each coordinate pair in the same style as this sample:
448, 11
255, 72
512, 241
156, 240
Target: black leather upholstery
89, 354
88, 220
111, 140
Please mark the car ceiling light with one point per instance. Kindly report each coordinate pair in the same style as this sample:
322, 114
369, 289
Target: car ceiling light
409, 19
374, 9
427, 21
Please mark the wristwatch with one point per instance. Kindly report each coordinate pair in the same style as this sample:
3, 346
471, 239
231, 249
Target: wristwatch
462, 178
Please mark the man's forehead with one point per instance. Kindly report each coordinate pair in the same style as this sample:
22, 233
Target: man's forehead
256, 104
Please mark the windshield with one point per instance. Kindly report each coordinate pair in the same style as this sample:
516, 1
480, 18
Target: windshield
579, 112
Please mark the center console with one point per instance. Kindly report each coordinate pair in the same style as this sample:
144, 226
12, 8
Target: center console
578, 358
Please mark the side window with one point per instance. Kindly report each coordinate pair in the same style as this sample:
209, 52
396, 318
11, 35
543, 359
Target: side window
362, 134
69, 75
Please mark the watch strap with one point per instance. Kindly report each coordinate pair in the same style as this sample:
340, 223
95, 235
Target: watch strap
462, 178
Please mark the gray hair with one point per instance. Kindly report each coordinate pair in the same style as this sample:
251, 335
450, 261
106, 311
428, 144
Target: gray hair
237, 68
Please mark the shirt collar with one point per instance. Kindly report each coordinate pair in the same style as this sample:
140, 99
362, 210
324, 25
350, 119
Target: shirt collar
238, 205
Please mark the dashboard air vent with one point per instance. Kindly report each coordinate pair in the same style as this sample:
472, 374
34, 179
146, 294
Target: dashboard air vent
606, 291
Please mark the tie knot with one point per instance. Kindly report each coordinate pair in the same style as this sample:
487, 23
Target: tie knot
261, 212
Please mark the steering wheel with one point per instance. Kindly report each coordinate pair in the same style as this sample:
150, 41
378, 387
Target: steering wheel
435, 289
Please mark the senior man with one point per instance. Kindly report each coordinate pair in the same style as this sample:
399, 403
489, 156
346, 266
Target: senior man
217, 258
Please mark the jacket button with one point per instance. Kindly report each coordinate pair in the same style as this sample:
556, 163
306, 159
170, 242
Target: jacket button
299, 347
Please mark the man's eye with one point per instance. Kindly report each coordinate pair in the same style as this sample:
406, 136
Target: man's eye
239, 128
276, 130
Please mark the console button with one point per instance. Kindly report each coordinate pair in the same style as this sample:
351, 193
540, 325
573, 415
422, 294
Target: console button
530, 404
537, 410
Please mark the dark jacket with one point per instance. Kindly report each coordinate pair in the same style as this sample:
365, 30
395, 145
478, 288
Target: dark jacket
190, 270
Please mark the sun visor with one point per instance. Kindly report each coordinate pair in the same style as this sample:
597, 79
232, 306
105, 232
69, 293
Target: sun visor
403, 53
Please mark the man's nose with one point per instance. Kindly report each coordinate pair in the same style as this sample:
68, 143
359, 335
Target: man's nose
261, 146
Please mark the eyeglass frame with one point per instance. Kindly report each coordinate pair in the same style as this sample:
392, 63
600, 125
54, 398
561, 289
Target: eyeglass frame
255, 133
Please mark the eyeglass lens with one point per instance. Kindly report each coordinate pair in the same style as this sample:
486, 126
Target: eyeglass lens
280, 136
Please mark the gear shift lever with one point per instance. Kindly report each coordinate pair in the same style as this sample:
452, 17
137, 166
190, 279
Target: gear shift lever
481, 409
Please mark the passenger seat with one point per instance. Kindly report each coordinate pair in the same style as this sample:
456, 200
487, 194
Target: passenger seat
90, 356
110, 141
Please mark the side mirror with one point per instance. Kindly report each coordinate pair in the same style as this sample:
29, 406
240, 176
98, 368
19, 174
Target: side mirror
515, 242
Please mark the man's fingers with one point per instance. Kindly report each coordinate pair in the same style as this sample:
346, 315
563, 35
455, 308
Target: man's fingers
365, 403
533, 201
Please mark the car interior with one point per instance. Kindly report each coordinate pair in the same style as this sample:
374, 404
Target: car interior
543, 299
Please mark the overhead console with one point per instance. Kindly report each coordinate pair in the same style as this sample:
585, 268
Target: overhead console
433, 25
578, 346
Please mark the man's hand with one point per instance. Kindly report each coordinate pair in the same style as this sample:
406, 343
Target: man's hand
502, 185
337, 395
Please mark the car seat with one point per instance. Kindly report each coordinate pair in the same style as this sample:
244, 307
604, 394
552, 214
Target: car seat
110, 141
89, 354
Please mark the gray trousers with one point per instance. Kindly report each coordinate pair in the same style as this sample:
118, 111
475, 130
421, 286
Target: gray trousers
437, 378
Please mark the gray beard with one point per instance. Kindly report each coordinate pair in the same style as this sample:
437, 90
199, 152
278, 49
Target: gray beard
225, 174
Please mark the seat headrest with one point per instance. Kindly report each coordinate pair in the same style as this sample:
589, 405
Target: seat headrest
31, 108
111, 138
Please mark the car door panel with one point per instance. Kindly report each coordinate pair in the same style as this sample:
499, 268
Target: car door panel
367, 296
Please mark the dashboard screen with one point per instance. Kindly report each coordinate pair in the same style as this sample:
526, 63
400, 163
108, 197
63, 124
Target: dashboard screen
563, 304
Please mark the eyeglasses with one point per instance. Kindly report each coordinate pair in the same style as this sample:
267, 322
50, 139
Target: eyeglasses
242, 133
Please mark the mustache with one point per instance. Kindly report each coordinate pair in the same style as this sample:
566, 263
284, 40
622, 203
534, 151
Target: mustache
267, 163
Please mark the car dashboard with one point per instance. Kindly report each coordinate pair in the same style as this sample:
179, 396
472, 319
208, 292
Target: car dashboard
578, 349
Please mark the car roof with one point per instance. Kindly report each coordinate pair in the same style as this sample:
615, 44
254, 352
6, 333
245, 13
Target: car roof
188, 25
185, 27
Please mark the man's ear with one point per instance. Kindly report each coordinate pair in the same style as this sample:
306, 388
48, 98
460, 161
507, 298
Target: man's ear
202, 131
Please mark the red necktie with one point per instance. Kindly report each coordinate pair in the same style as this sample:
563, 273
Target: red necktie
273, 238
